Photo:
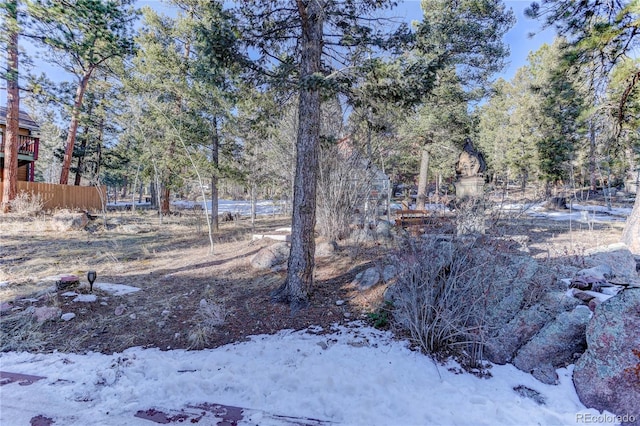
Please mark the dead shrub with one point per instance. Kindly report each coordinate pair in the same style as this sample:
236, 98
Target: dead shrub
344, 183
441, 297
27, 204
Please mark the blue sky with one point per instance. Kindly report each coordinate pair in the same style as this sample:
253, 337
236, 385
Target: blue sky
519, 42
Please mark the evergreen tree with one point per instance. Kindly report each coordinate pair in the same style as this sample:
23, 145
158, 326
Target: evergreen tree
82, 36
301, 44
609, 31
9, 173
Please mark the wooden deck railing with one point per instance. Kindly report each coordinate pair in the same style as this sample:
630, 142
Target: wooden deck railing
56, 196
27, 145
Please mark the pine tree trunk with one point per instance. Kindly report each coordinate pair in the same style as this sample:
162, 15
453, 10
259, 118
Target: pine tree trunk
165, 198
10, 171
423, 180
631, 232
299, 281
592, 157
83, 148
73, 128
215, 156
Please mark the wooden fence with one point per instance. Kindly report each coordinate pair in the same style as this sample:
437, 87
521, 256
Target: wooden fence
64, 196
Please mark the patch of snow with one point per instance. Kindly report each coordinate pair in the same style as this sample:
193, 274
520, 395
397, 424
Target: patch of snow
354, 376
581, 213
116, 289
87, 298
241, 207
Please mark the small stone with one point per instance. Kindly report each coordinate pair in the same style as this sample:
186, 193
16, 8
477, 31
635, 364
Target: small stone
339, 302
133, 316
120, 310
347, 314
367, 278
581, 295
87, 298
67, 281
68, 316
203, 303
45, 313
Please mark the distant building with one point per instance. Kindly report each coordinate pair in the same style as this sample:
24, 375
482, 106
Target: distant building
28, 142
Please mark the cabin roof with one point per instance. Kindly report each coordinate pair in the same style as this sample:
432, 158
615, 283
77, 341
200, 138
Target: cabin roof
25, 120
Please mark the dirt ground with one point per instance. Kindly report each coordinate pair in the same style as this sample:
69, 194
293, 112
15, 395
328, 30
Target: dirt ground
190, 298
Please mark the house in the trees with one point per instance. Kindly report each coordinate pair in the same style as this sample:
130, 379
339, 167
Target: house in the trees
28, 141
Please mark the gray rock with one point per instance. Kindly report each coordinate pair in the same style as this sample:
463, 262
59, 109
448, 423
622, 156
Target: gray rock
546, 374
511, 287
503, 345
558, 301
367, 278
271, 256
615, 256
391, 293
601, 272
46, 313
582, 295
383, 229
607, 375
556, 343
326, 248
65, 220
501, 348
68, 316
564, 332
389, 272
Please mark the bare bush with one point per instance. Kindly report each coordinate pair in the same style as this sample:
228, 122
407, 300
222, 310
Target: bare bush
209, 316
470, 217
344, 182
441, 297
27, 204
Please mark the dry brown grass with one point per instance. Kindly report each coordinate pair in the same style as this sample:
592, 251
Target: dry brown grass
170, 262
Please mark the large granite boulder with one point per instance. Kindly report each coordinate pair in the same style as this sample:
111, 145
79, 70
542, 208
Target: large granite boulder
271, 256
326, 248
554, 345
66, 220
616, 256
502, 347
511, 287
607, 375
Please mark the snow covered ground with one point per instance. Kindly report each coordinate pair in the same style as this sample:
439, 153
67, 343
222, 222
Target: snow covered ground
353, 376
263, 207
576, 212
583, 213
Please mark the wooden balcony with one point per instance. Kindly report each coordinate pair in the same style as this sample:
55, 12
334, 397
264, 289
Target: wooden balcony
27, 147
